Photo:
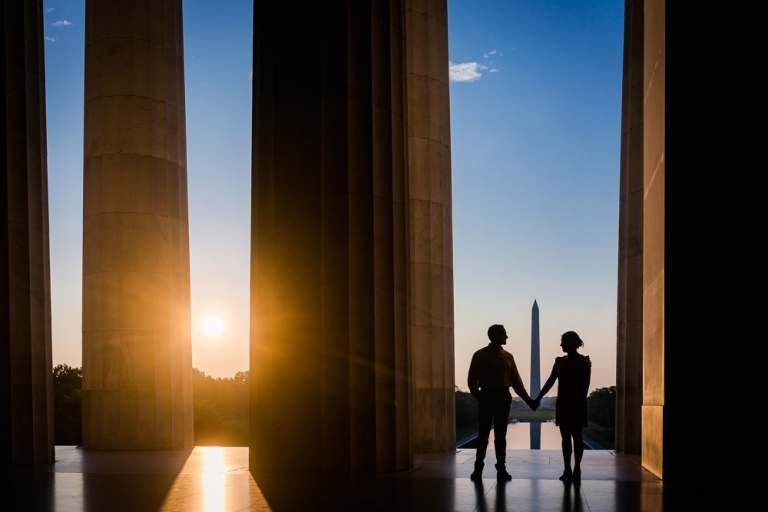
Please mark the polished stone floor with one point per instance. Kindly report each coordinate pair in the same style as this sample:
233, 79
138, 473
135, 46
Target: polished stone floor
214, 479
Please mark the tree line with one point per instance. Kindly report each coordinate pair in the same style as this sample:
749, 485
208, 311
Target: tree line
220, 407
601, 405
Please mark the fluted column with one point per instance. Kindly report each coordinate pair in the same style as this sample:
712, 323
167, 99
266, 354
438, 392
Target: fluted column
26, 395
137, 388
629, 344
431, 254
330, 267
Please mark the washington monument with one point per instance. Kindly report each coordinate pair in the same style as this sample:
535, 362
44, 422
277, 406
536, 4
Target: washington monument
535, 356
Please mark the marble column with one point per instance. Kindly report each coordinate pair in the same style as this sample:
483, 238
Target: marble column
431, 238
629, 335
703, 275
137, 387
332, 256
330, 352
654, 235
26, 394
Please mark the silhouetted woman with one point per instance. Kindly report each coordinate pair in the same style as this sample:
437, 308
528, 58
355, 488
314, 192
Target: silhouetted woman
572, 372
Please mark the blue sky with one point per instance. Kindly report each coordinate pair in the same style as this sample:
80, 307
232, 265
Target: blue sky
535, 127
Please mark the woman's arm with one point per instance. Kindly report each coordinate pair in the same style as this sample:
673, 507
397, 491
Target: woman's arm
587, 378
550, 381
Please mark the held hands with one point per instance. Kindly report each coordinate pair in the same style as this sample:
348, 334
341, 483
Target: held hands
533, 404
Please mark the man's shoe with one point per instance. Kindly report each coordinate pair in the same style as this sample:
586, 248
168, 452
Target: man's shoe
501, 472
477, 474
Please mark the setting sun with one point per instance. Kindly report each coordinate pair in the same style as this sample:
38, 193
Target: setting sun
213, 325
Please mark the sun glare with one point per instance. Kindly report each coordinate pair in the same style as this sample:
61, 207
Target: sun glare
213, 325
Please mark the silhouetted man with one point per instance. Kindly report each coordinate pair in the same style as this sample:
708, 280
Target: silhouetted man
491, 374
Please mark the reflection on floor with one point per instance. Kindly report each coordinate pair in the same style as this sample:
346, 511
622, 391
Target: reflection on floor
217, 479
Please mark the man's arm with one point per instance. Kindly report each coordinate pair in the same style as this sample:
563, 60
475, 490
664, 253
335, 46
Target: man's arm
517, 384
472, 382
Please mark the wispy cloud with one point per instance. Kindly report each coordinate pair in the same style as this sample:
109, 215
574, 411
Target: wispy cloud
51, 39
465, 71
50, 9
493, 70
62, 23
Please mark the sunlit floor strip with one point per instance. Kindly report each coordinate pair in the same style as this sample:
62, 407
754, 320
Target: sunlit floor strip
209, 483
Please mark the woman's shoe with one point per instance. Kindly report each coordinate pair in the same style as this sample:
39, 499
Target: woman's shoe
567, 474
576, 476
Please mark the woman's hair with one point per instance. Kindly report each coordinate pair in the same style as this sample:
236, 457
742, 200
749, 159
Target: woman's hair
571, 338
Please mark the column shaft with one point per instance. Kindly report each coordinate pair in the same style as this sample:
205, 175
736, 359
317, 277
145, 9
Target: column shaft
330, 267
137, 388
629, 349
26, 394
431, 239
654, 235
702, 276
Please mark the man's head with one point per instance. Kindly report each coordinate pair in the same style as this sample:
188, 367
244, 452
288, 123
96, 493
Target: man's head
497, 334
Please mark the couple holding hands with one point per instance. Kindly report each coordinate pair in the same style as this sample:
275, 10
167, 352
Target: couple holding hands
491, 374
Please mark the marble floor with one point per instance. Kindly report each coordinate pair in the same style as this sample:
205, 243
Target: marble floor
217, 479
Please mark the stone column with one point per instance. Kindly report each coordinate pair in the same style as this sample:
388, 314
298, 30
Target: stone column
629, 336
333, 247
26, 394
654, 235
137, 387
429, 152
703, 273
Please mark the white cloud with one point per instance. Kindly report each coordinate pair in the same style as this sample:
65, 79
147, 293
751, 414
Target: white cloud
493, 70
492, 53
50, 9
50, 38
62, 23
465, 71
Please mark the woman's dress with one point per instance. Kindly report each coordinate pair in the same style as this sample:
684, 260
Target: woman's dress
573, 374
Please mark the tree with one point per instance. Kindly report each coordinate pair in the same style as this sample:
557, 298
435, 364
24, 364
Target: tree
466, 413
67, 405
602, 407
221, 409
